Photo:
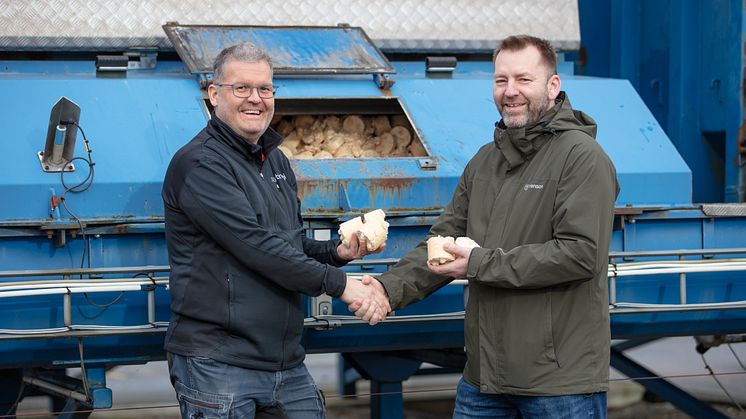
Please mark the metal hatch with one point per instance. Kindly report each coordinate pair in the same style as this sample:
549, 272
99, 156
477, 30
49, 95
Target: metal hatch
294, 49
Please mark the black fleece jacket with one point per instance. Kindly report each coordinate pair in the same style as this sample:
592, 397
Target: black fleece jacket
240, 259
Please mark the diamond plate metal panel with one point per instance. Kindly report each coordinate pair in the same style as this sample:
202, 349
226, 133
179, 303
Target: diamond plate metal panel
392, 24
723, 210
294, 49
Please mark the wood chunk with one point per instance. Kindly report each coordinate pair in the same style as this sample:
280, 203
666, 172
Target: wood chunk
333, 123
323, 154
380, 124
386, 144
369, 153
374, 231
436, 255
353, 125
333, 143
303, 121
304, 155
466, 242
417, 149
402, 136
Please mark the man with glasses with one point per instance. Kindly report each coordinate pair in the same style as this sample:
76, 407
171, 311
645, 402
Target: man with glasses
240, 259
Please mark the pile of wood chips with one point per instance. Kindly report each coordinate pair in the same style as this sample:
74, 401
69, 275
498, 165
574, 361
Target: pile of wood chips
346, 136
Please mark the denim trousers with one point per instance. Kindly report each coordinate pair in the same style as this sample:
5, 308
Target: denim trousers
471, 403
208, 389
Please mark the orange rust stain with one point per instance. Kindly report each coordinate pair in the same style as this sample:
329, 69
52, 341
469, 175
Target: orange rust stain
389, 187
308, 187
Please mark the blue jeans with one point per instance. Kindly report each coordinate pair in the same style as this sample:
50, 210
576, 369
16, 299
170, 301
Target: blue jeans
209, 389
471, 403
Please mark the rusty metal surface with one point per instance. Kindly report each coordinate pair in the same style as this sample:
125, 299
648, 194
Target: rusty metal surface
392, 24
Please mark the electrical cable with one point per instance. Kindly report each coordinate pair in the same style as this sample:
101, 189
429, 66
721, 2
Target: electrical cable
83, 186
714, 377
83, 373
736, 355
114, 301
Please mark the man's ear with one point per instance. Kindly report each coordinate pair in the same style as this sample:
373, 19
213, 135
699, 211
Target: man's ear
212, 93
554, 86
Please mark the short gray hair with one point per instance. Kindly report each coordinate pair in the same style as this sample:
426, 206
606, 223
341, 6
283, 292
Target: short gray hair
245, 52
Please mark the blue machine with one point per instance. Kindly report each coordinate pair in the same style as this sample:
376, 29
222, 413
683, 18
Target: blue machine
83, 279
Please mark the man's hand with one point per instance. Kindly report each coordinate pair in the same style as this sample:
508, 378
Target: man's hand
370, 303
356, 249
356, 305
456, 268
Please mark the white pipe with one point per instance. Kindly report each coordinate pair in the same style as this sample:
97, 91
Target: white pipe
679, 270
66, 283
69, 290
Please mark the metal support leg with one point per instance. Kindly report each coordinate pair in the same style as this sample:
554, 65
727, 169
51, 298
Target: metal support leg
347, 376
662, 388
69, 394
632, 343
387, 400
10, 390
386, 373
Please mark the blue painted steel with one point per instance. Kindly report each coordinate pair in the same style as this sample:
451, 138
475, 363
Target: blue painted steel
686, 60
136, 123
680, 229
650, 171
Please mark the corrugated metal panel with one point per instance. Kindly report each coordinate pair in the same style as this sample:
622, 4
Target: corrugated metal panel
392, 24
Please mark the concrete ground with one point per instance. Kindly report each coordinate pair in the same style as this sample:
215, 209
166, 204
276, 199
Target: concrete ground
143, 391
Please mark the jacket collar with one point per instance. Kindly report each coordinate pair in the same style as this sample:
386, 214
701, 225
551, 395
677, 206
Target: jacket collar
517, 145
257, 152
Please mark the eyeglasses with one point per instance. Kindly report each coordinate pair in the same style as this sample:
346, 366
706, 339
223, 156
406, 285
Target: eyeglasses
244, 91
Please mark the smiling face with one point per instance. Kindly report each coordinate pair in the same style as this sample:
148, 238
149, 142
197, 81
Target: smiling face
248, 117
523, 87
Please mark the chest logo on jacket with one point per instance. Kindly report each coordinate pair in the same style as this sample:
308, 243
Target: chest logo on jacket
529, 186
279, 176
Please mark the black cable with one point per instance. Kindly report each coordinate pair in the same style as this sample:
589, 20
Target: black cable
88, 181
83, 372
83, 186
722, 387
736, 355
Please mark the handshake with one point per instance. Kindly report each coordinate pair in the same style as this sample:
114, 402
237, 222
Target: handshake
362, 236
367, 299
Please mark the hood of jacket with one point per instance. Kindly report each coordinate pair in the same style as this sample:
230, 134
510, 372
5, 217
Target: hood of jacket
518, 144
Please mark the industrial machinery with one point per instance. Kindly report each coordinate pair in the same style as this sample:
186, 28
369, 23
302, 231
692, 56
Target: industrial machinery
95, 108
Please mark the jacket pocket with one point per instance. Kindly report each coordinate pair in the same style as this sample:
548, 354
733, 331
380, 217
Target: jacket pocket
530, 358
258, 311
198, 404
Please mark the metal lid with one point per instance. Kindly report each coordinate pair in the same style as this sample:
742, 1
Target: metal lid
294, 49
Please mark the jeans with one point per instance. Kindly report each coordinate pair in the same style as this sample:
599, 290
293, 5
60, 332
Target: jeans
471, 403
208, 389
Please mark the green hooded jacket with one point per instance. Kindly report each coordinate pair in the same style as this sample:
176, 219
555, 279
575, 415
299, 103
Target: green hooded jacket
540, 203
